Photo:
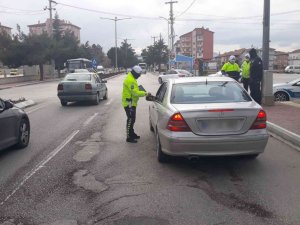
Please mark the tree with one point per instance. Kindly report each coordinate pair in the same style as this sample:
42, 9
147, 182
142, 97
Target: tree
128, 58
37, 51
111, 55
156, 54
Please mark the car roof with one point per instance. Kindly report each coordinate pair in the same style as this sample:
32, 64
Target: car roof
199, 79
82, 73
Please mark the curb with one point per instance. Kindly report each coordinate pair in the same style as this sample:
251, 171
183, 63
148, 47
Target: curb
284, 133
25, 104
13, 85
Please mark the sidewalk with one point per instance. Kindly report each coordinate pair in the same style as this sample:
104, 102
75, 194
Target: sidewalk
284, 121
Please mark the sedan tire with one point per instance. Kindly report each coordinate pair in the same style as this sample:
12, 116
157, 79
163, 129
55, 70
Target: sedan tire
281, 96
161, 157
105, 96
63, 103
24, 134
96, 101
150, 125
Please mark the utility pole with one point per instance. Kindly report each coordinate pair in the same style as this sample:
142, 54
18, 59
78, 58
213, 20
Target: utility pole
116, 42
267, 81
266, 35
154, 37
172, 23
50, 8
50, 16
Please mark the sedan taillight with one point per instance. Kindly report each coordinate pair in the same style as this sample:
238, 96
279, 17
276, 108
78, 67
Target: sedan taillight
260, 121
60, 87
177, 124
88, 87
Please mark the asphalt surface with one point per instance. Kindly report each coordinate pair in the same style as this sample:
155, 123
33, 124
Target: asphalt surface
78, 169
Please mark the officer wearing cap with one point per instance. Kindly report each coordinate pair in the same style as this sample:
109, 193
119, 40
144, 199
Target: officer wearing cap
130, 98
231, 68
246, 71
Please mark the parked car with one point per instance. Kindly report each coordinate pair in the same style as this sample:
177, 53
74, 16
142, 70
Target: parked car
292, 69
15, 126
85, 86
174, 73
287, 91
206, 116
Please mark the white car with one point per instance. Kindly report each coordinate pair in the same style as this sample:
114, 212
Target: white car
175, 73
287, 91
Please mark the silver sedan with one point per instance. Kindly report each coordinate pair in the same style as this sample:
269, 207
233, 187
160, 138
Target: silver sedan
84, 86
206, 116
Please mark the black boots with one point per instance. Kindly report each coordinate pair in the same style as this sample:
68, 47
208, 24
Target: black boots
131, 140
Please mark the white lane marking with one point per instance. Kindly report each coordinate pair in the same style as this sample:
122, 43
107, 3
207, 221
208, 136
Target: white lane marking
41, 165
90, 119
110, 101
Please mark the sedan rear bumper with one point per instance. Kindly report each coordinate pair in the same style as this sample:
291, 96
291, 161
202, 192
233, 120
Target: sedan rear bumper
70, 97
188, 143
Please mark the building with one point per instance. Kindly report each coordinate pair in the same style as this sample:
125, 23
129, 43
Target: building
294, 58
238, 53
5, 29
271, 56
40, 28
281, 60
197, 43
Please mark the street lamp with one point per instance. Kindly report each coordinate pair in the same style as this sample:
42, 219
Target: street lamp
161, 17
116, 42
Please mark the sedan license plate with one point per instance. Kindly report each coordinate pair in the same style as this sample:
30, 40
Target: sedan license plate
220, 125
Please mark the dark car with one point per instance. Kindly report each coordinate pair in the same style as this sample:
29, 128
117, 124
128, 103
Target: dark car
14, 126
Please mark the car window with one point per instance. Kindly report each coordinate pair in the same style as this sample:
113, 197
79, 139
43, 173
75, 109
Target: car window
97, 79
78, 77
161, 92
212, 92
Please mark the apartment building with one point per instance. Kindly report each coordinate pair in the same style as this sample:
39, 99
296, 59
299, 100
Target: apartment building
197, 43
40, 28
5, 29
281, 60
294, 58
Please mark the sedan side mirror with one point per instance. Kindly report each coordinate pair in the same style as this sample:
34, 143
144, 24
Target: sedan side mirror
8, 104
151, 98
164, 73
104, 81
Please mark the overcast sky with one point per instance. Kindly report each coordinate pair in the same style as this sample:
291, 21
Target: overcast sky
235, 23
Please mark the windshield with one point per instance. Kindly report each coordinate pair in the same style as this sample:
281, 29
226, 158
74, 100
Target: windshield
78, 77
213, 92
74, 65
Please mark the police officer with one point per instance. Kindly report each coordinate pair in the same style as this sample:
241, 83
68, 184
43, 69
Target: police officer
231, 68
130, 97
256, 74
246, 71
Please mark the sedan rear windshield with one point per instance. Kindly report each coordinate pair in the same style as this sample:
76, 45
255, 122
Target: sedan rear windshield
78, 77
210, 92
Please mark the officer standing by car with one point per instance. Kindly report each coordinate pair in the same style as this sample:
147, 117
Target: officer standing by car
256, 74
130, 97
231, 68
246, 71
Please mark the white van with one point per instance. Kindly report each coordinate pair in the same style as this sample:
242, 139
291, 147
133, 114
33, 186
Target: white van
292, 69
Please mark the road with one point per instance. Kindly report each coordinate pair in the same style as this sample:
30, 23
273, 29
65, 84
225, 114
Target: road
78, 169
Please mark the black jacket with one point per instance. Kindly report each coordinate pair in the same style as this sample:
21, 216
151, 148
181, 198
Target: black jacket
256, 66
